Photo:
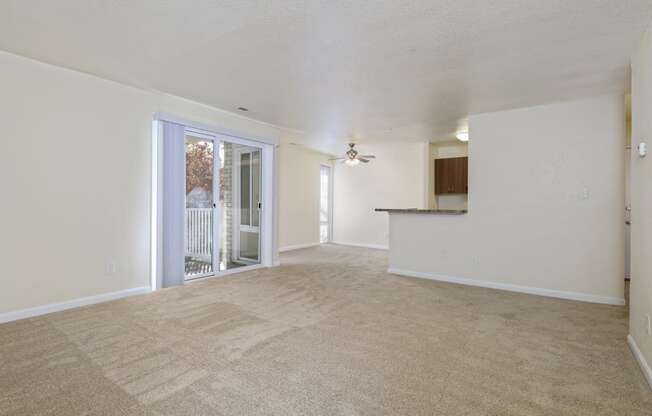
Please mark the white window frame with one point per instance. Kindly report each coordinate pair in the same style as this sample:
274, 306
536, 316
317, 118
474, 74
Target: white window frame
330, 201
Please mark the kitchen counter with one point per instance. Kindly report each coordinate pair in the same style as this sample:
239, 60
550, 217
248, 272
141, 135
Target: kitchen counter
422, 211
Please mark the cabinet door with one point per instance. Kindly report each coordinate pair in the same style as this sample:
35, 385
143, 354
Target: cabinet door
451, 176
460, 179
441, 177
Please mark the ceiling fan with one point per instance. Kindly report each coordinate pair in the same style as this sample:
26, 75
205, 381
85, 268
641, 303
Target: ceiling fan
352, 157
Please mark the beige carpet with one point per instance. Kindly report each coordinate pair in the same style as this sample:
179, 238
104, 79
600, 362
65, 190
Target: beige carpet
327, 333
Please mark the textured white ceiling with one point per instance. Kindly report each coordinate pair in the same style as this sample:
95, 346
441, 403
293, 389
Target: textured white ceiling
378, 70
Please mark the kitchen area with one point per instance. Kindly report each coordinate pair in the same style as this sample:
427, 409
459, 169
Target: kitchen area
448, 175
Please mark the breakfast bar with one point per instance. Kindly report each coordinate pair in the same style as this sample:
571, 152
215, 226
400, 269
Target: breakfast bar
422, 211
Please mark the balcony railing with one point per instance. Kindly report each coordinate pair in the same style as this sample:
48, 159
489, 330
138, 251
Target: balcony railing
199, 233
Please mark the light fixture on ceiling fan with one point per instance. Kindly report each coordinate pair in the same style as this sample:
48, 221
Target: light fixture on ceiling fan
352, 158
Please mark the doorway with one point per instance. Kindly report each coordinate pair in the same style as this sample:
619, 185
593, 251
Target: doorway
628, 200
212, 213
226, 185
201, 185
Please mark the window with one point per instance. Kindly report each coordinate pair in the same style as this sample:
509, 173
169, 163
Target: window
325, 205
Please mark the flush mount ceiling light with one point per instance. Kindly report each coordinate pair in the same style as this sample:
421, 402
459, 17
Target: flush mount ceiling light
462, 136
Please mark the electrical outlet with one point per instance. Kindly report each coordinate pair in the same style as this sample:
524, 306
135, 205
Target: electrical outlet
111, 268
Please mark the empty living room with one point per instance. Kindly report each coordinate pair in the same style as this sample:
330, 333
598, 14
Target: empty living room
307, 207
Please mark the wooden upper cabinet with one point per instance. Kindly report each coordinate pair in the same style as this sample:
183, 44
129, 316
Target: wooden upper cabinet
452, 175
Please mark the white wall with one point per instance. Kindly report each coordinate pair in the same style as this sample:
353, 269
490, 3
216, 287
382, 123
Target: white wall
395, 179
545, 203
641, 197
299, 193
75, 163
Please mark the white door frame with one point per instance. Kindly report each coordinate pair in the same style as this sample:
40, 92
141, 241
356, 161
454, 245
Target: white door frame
330, 198
267, 184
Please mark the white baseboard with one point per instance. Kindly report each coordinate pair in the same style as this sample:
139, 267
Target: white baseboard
376, 246
645, 367
297, 247
75, 303
583, 297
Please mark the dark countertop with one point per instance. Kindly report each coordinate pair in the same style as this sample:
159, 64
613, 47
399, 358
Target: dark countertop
422, 211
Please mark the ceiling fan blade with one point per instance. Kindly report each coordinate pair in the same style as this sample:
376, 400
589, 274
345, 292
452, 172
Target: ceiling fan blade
337, 158
363, 160
368, 156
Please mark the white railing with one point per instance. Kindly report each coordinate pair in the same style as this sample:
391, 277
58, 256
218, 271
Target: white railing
199, 233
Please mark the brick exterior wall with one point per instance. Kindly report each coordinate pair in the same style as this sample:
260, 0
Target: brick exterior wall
227, 207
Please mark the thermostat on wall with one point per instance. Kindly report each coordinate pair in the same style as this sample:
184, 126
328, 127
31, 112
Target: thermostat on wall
642, 149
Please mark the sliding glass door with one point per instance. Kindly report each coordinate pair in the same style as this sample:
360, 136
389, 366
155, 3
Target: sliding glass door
200, 187
240, 203
248, 222
212, 212
223, 191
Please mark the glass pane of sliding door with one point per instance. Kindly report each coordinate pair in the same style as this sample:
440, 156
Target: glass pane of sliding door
240, 205
199, 231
